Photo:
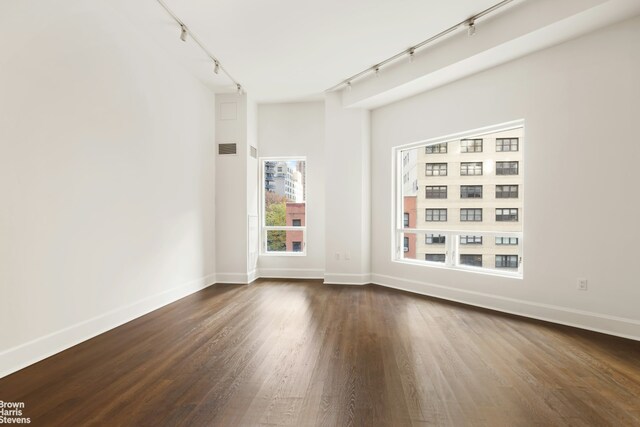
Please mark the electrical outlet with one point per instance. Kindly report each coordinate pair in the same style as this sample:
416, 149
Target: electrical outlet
582, 284
347, 256
337, 256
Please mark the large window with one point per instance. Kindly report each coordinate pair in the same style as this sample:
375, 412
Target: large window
458, 229
284, 208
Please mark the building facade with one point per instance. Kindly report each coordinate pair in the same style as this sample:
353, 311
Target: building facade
472, 184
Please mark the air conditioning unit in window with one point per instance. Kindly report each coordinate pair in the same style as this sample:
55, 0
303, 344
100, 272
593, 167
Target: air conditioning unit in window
406, 249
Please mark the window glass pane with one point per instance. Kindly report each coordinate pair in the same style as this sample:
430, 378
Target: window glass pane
469, 192
284, 204
284, 241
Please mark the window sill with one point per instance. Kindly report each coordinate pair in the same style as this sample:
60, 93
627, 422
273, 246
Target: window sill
285, 254
467, 269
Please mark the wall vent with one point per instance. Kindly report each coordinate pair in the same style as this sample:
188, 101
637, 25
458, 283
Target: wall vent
254, 152
224, 149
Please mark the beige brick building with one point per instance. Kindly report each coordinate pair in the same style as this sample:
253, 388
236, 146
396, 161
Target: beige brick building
472, 185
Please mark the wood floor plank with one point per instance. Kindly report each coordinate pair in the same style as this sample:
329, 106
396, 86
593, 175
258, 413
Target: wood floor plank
300, 353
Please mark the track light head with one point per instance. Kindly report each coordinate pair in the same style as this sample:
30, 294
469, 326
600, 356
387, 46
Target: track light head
183, 33
472, 27
239, 87
412, 53
216, 67
348, 86
376, 70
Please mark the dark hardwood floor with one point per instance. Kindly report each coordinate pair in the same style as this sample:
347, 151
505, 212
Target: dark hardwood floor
303, 353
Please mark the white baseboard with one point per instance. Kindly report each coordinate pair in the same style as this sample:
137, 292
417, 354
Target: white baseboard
612, 325
346, 279
236, 278
26, 354
290, 273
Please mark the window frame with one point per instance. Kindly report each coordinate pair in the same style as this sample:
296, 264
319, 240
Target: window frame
439, 146
263, 228
467, 187
509, 215
502, 141
474, 144
439, 187
439, 164
451, 235
510, 193
466, 164
501, 162
474, 216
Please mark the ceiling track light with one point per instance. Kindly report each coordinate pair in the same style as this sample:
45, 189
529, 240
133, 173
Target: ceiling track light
183, 33
376, 70
472, 27
469, 24
348, 86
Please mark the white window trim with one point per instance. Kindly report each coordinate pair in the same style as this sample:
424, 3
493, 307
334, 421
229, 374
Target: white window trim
264, 228
452, 240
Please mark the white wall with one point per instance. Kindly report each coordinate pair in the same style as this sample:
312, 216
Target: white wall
297, 129
106, 178
580, 104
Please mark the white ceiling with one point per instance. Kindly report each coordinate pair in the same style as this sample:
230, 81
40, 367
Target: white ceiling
288, 50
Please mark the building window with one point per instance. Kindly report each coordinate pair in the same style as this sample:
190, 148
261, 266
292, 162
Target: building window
436, 192
470, 240
471, 214
406, 244
506, 168
435, 257
506, 191
435, 215
506, 240
471, 191
434, 239
509, 214
406, 219
471, 146
506, 261
507, 144
473, 260
470, 168
284, 209
436, 148
436, 169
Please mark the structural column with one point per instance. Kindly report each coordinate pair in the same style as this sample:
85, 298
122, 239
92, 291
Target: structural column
347, 193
